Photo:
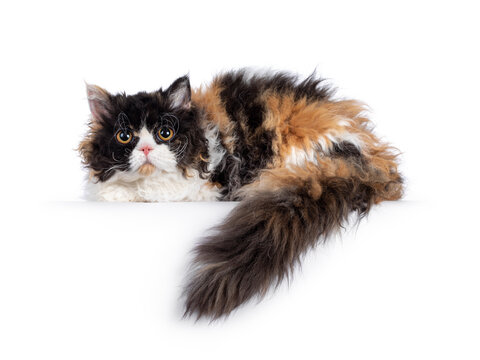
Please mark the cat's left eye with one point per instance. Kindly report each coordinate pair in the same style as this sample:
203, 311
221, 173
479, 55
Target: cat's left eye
165, 133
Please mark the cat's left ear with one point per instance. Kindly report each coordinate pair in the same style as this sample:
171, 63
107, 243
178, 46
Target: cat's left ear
180, 94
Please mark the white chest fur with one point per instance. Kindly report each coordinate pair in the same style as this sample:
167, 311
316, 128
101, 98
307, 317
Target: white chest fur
160, 186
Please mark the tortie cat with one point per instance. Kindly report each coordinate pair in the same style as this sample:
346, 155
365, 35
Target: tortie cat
298, 160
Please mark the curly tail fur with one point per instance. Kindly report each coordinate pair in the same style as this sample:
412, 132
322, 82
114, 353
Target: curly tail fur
264, 237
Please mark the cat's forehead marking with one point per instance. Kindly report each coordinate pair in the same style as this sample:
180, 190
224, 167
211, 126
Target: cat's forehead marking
144, 132
145, 136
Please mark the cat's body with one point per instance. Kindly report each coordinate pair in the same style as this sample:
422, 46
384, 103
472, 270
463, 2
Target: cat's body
299, 161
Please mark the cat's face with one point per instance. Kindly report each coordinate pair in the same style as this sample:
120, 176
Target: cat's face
137, 135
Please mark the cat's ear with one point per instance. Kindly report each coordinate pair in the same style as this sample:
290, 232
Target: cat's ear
99, 101
179, 93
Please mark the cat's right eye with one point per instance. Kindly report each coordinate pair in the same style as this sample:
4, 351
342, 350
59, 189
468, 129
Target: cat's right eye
124, 136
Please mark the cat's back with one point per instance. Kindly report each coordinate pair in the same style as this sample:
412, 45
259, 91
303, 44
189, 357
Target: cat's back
251, 107
246, 94
271, 118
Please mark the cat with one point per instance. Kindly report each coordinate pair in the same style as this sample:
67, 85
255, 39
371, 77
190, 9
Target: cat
299, 161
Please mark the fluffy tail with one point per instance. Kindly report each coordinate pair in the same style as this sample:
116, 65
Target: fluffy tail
263, 238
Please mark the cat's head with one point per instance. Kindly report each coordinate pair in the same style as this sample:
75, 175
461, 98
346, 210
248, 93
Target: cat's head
133, 136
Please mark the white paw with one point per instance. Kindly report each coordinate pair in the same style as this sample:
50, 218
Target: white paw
116, 193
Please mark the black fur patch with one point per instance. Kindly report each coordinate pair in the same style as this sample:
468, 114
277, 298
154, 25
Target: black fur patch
346, 149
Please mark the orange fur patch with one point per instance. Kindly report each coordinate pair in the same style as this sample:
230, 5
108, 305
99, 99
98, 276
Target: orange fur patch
146, 169
85, 148
209, 99
299, 123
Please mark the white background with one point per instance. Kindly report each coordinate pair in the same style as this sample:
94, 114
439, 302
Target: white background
85, 280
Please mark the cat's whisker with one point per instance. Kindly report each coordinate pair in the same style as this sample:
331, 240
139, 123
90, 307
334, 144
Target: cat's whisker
181, 151
113, 168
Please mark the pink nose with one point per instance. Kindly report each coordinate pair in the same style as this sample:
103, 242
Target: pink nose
146, 149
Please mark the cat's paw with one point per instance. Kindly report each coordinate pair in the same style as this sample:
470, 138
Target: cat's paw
116, 193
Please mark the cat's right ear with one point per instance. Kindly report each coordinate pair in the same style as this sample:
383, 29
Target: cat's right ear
99, 101
179, 93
